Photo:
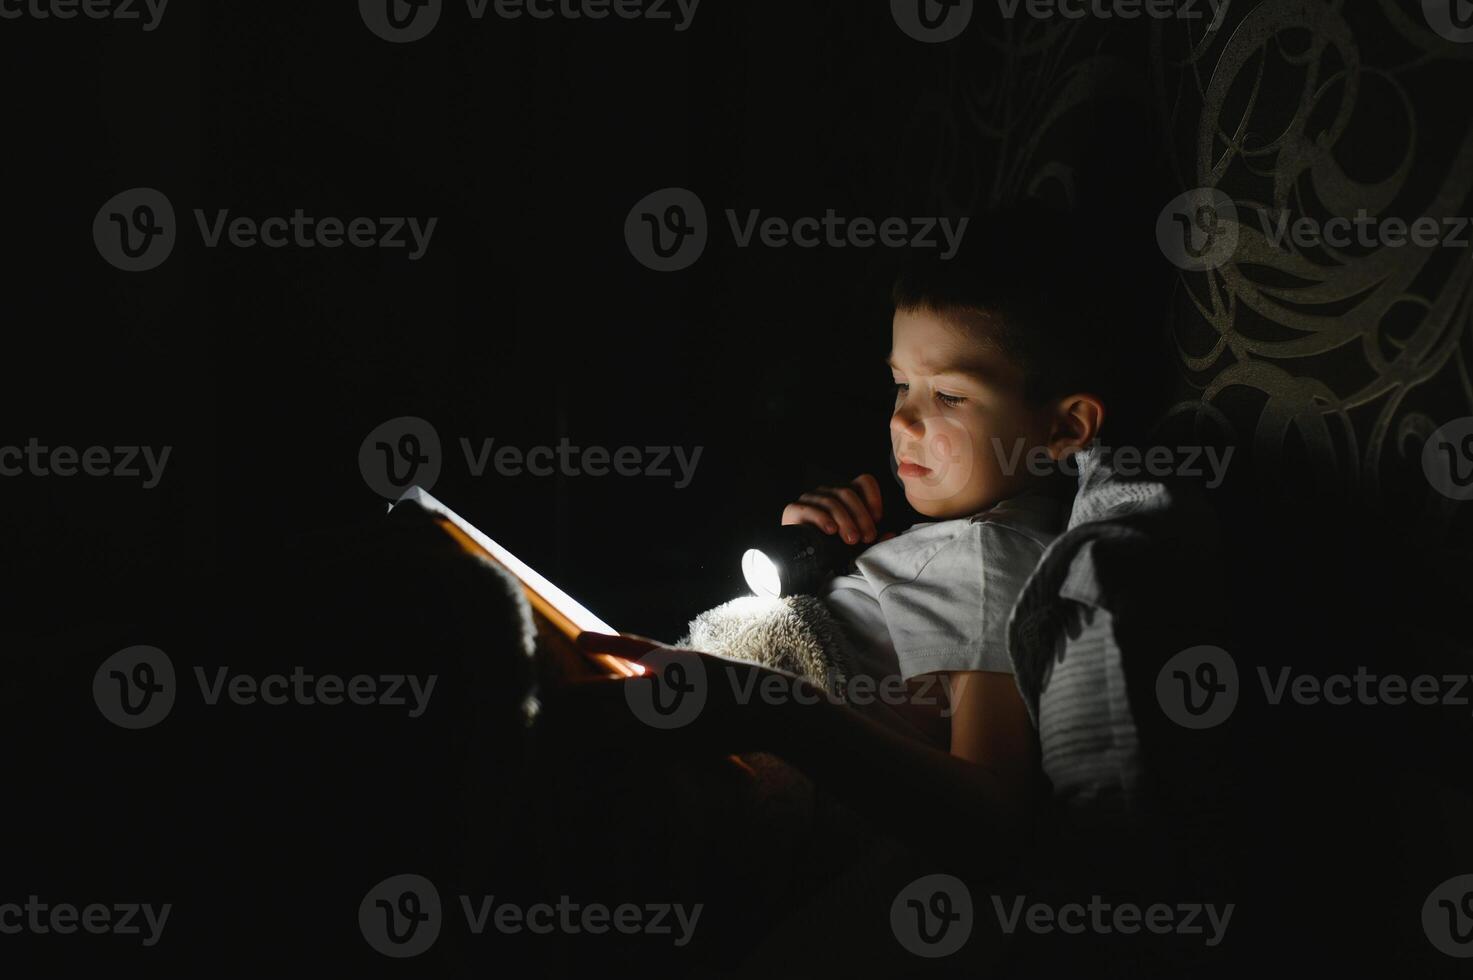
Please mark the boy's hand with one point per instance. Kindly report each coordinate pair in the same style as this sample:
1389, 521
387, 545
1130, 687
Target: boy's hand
852, 511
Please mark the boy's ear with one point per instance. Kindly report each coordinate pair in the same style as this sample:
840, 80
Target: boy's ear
1076, 422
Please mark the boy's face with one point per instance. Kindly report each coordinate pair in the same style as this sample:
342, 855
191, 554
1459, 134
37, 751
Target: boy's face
961, 430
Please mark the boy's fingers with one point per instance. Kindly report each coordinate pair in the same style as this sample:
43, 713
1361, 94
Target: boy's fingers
869, 489
858, 511
809, 514
825, 498
834, 517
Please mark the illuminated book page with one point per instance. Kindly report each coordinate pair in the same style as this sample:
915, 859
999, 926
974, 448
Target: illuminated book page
566, 614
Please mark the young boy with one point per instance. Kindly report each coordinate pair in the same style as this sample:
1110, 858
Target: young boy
986, 370
998, 356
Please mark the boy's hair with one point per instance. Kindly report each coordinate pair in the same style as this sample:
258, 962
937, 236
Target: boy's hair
1075, 300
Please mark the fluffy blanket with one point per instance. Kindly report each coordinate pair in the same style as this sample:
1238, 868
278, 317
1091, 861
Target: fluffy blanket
796, 634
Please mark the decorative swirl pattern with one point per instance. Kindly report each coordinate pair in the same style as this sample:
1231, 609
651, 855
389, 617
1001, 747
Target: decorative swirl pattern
1335, 363
1292, 119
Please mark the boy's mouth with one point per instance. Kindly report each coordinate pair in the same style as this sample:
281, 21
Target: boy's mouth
908, 468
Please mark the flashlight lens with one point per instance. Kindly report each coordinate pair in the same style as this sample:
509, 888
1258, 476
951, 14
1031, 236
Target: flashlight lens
761, 574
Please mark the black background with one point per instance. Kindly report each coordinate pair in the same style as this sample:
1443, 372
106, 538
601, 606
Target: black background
527, 321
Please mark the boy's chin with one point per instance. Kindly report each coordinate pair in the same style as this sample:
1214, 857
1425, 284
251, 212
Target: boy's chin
937, 509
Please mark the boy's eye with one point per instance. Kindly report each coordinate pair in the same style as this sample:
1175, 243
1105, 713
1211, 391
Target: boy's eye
903, 387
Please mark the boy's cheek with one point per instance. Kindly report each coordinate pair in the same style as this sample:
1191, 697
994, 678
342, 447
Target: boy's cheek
952, 460
971, 469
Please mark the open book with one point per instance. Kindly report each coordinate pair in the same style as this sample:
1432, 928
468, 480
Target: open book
560, 618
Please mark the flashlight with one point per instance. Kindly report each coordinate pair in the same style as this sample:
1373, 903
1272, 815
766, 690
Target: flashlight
796, 559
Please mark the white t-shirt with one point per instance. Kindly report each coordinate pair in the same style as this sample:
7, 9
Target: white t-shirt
938, 595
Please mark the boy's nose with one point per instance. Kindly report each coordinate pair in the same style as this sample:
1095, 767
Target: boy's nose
902, 423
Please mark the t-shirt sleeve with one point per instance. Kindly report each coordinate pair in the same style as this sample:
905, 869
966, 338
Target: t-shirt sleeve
954, 614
